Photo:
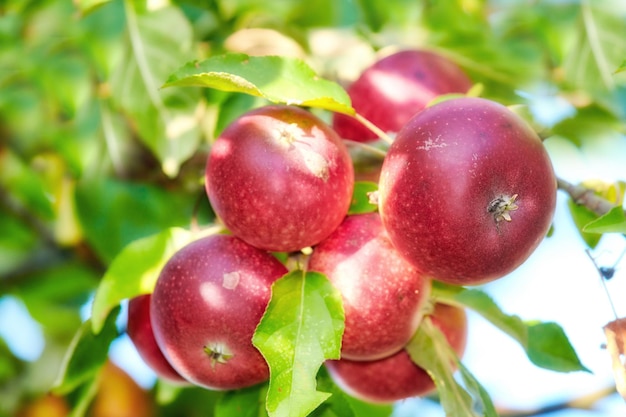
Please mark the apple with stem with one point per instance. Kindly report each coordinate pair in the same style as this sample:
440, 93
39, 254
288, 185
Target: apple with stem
395, 88
280, 178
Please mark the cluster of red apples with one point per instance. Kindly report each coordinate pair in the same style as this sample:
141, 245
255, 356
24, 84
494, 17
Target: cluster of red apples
466, 193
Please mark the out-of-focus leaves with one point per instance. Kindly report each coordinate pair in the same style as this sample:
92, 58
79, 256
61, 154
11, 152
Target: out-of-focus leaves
361, 202
113, 213
278, 79
167, 121
87, 6
248, 402
54, 296
86, 355
587, 124
301, 328
430, 350
612, 222
599, 47
135, 271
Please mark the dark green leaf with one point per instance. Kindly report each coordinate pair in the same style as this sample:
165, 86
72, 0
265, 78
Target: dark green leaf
301, 328
278, 79
248, 402
361, 202
340, 404
612, 222
135, 271
86, 355
430, 350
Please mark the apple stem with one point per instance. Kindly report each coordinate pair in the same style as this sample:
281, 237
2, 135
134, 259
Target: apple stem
369, 148
371, 126
586, 197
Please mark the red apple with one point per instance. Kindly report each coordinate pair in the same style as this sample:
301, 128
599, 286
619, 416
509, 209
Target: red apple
467, 191
397, 377
139, 329
280, 178
206, 305
383, 295
395, 88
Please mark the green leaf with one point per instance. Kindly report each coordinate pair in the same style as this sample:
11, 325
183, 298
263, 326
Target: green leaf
430, 350
545, 344
167, 121
248, 402
341, 404
549, 348
582, 216
135, 271
621, 68
113, 213
361, 198
301, 328
612, 222
86, 355
483, 304
279, 79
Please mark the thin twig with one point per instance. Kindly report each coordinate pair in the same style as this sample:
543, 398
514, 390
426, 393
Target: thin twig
586, 197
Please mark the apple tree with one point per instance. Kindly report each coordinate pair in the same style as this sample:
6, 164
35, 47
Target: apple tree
290, 208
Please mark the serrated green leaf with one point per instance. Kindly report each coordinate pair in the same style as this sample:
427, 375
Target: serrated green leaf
546, 345
612, 222
279, 79
302, 327
430, 350
248, 402
86, 354
135, 271
549, 348
361, 202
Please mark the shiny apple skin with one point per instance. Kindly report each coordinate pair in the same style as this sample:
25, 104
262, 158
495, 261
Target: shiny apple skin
383, 295
209, 299
397, 377
439, 181
395, 88
280, 178
139, 329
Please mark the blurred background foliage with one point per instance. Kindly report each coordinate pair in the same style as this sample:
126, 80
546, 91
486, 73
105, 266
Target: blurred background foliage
94, 154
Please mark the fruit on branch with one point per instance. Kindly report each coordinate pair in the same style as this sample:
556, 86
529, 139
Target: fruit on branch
139, 329
467, 191
395, 88
397, 377
206, 305
280, 178
383, 295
